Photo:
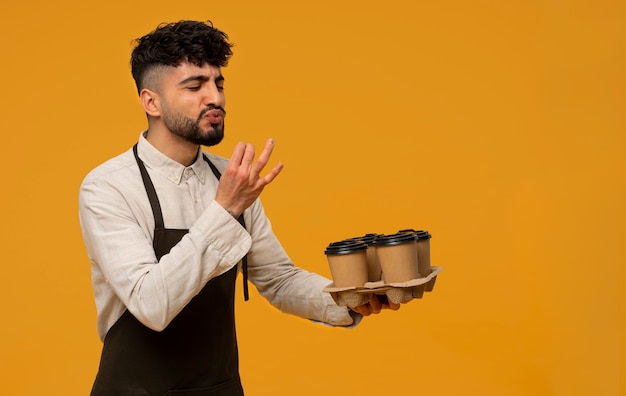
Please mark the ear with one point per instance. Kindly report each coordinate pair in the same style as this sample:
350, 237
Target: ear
151, 102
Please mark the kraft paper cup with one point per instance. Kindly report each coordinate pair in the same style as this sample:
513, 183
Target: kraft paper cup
374, 273
423, 252
397, 255
348, 263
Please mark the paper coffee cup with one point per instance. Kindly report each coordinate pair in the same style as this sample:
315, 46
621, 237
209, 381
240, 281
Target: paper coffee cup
374, 273
348, 263
423, 252
397, 255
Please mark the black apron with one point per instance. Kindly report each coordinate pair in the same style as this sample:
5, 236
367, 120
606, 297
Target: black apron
195, 355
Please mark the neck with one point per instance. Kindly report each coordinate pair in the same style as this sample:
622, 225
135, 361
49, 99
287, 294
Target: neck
172, 146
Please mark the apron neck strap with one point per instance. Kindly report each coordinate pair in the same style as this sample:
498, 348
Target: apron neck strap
152, 195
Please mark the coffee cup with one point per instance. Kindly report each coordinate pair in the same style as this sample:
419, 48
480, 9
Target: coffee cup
374, 273
423, 252
348, 263
397, 255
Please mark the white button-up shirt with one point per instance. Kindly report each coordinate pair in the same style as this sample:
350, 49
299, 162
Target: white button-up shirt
118, 224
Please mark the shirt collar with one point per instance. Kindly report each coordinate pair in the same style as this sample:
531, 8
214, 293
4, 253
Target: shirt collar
167, 167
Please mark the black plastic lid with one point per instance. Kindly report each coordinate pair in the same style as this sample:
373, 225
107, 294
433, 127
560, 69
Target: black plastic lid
394, 239
345, 247
419, 234
367, 238
410, 230
423, 235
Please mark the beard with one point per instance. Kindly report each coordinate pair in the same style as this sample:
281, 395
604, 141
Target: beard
190, 130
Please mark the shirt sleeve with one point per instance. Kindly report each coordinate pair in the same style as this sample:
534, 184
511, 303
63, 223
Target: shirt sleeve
289, 288
119, 245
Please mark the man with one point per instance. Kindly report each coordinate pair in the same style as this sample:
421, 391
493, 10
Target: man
166, 239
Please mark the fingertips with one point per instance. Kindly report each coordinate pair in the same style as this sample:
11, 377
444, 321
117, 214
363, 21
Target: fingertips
363, 309
273, 173
238, 152
375, 304
248, 155
267, 152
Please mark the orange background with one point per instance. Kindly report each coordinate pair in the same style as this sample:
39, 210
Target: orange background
497, 126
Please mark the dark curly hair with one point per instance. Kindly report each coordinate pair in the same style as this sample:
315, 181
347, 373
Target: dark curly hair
173, 43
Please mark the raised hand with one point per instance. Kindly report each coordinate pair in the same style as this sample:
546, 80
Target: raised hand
241, 182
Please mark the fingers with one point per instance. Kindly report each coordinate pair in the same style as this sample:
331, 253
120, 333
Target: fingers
240, 184
386, 304
248, 157
236, 157
375, 304
262, 161
264, 157
272, 174
363, 310
242, 159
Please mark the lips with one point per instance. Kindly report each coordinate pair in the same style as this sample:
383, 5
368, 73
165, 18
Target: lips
215, 116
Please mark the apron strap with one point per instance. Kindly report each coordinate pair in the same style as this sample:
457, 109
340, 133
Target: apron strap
152, 195
244, 260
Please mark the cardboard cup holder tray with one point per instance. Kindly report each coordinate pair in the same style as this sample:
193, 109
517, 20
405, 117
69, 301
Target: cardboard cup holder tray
397, 293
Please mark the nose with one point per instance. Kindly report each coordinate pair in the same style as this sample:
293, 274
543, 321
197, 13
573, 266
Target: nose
213, 95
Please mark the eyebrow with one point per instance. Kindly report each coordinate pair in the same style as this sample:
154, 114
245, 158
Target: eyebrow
200, 78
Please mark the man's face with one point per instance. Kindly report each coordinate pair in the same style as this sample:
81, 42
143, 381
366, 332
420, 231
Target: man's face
192, 103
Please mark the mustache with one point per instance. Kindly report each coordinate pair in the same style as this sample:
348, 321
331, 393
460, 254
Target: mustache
212, 107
